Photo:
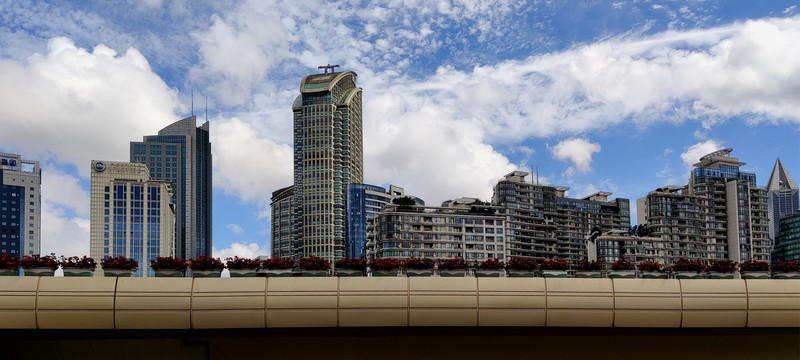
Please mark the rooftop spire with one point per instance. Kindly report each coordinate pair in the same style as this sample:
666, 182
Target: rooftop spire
780, 178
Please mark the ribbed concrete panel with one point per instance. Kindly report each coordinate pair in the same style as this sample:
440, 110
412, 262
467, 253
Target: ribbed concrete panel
153, 303
511, 301
18, 302
714, 303
580, 302
302, 302
373, 301
438, 301
773, 303
76, 303
647, 303
229, 303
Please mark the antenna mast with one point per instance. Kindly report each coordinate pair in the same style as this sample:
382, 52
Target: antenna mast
206, 108
192, 101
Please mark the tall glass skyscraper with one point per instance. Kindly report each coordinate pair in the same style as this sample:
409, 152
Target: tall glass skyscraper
784, 197
20, 205
327, 157
181, 154
363, 202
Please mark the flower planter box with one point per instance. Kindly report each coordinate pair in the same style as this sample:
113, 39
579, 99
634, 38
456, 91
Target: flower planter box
520, 273
206, 273
589, 274
755, 274
385, 273
278, 272
554, 273
316, 273
488, 273
622, 274
786, 275
654, 275
416, 272
9, 272
46, 271
349, 272
720, 275
688, 275
118, 272
242, 272
168, 273
453, 273
78, 272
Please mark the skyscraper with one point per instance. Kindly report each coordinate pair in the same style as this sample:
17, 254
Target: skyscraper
131, 215
327, 157
20, 205
181, 154
783, 197
281, 224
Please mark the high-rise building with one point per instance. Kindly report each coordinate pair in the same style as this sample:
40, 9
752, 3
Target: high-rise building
543, 223
181, 154
787, 243
327, 157
783, 197
281, 224
720, 214
20, 205
363, 202
131, 214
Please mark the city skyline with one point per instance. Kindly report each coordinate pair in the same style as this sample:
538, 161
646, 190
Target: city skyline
614, 96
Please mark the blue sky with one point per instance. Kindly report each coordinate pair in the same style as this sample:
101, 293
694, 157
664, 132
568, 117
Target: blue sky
619, 96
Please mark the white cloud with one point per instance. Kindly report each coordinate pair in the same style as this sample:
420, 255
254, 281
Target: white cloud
578, 151
64, 190
246, 163
77, 105
692, 154
242, 250
63, 234
236, 229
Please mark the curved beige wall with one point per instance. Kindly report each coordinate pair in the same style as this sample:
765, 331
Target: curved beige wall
186, 303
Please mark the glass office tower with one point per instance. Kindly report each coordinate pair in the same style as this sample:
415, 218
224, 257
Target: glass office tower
20, 205
181, 154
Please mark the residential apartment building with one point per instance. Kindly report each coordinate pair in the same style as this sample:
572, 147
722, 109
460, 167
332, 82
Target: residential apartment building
281, 223
327, 158
363, 202
542, 223
181, 154
720, 214
20, 205
131, 214
471, 231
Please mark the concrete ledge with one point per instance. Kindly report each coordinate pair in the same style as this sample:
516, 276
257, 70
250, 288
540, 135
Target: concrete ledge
393, 302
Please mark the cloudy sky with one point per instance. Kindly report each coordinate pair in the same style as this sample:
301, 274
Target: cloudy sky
620, 96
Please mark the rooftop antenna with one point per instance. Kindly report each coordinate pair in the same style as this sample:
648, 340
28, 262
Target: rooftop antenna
537, 174
192, 101
206, 108
330, 67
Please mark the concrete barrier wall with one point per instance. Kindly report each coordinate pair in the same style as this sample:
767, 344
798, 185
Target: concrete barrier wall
204, 303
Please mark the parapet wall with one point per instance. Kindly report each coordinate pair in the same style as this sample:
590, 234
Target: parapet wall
310, 302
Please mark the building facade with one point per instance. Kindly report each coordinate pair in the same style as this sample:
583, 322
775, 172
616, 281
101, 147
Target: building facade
131, 214
281, 224
783, 197
327, 157
720, 214
181, 154
469, 232
20, 205
364, 201
542, 223
787, 243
